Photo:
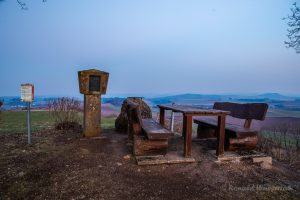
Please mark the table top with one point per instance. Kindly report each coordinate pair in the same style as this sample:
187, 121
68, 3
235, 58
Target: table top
193, 110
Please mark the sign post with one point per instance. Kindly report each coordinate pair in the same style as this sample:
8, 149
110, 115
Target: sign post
28, 123
27, 95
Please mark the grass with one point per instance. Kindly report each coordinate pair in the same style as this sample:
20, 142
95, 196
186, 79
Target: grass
108, 122
16, 121
287, 139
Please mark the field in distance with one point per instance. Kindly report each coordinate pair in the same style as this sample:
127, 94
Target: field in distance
16, 121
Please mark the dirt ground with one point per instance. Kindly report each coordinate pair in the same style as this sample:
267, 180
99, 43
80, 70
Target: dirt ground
64, 165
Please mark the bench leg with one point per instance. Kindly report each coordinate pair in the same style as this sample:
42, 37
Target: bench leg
187, 133
183, 126
221, 135
162, 116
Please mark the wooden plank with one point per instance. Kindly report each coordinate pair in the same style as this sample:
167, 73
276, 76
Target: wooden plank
169, 158
240, 138
183, 127
221, 135
234, 156
192, 110
134, 120
244, 111
151, 160
188, 136
247, 123
162, 116
246, 143
143, 146
239, 131
155, 131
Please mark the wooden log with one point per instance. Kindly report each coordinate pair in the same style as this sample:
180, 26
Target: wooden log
134, 120
155, 131
145, 147
247, 143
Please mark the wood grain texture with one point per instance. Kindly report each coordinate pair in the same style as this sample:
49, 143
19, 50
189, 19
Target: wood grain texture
143, 146
237, 137
188, 113
220, 135
187, 151
155, 131
134, 120
244, 111
149, 137
192, 110
238, 131
162, 116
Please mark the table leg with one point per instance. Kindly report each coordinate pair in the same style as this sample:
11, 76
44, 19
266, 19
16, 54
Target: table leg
187, 131
162, 116
183, 126
221, 135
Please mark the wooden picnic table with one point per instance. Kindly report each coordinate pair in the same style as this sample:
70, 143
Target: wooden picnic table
188, 113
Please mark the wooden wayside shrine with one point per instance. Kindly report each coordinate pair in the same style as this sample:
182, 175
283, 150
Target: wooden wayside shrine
93, 84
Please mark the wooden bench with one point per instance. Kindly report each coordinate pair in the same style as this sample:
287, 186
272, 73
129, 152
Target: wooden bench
241, 137
148, 136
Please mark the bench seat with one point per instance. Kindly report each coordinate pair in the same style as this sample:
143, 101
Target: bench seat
235, 130
154, 131
237, 137
149, 137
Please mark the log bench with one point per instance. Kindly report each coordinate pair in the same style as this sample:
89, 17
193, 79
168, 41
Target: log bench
148, 136
237, 137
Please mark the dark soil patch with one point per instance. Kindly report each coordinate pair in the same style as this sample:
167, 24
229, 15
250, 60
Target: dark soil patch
64, 165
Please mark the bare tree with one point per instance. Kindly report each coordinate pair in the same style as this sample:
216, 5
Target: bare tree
294, 28
65, 112
22, 4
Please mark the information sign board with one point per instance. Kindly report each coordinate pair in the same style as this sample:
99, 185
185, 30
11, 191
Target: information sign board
27, 92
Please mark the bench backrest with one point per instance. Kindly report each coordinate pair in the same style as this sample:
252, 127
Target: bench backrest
247, 111
134, 119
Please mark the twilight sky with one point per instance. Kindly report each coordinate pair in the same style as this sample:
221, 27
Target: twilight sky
148, 47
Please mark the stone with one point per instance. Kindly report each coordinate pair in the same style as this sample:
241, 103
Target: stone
93, 84
21, 174
265, 162
126, 157
121, 122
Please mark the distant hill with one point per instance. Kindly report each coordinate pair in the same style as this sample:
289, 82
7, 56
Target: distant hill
273, 96
275, 100
193, 96
189, 98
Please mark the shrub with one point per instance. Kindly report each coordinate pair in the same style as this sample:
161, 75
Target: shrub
282, 142
1, 104
65, 112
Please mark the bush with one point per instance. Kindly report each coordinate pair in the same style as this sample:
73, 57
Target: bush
65, 112
282, 142
1, 104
